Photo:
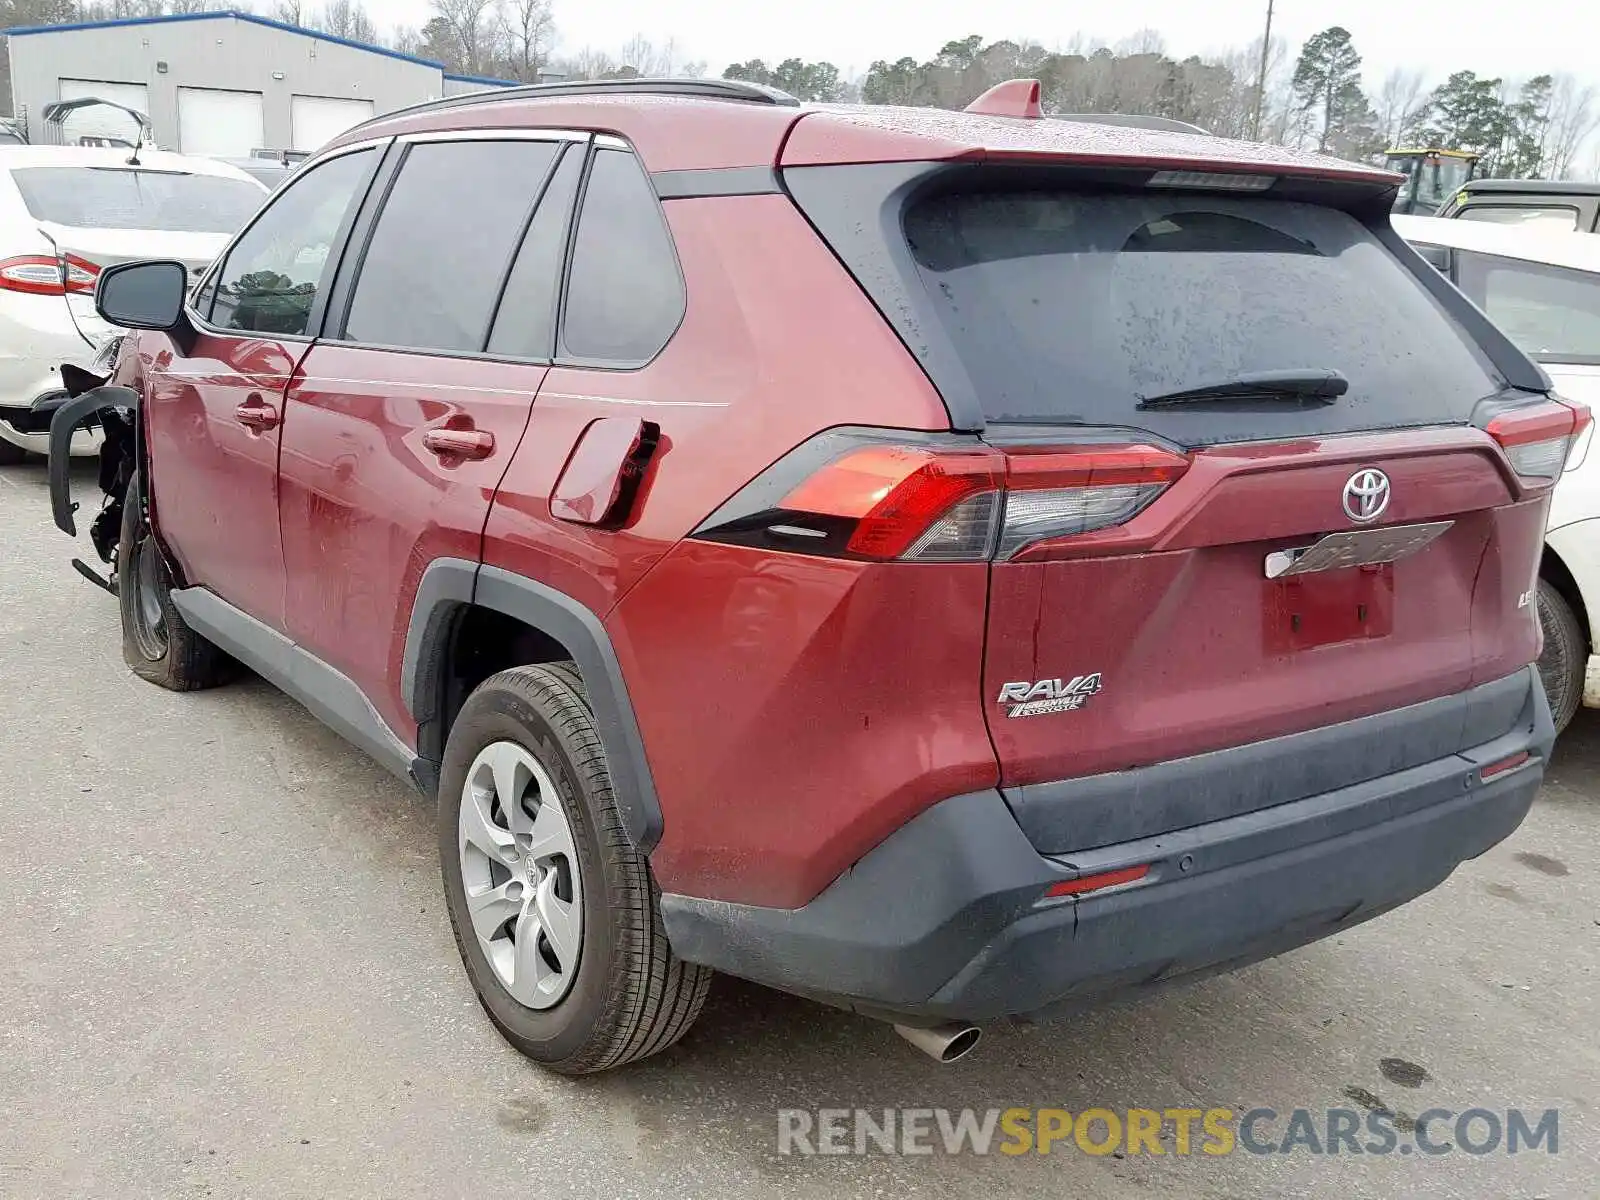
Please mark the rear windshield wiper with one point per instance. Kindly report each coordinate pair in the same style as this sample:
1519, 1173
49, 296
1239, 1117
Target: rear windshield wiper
1303, 387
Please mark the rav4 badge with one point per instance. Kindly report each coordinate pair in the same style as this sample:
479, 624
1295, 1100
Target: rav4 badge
1048, 695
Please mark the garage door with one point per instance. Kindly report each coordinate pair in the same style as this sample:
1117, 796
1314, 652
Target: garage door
223, 124
320, 119
100, 121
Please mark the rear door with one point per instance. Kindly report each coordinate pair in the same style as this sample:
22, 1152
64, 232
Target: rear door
401, 420
1142, 607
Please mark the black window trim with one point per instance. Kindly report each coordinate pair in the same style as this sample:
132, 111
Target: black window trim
562, 358
336, 252
342, 293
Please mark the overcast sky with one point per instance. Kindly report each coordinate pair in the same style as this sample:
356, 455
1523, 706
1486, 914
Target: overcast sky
1514, 38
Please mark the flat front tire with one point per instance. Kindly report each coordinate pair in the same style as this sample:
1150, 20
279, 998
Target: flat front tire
553, 908
157, 643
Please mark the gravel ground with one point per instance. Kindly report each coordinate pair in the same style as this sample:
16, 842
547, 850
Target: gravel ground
227, 972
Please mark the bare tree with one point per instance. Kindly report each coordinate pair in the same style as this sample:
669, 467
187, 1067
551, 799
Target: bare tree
290, 12
407, 39
347, 19
1400, 99
1143, 41
1574, 116
529, 30
587, 63
646, 58
474, 25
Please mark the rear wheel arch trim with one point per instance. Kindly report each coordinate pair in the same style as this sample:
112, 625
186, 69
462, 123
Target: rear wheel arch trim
449, 586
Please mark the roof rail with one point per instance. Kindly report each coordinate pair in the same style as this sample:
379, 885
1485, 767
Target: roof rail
709, 89
1133, 121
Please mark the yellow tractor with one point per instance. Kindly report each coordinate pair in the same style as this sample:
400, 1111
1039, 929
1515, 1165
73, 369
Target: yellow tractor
1432, 177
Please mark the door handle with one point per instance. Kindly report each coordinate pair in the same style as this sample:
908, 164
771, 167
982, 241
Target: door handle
256, 414
459, 443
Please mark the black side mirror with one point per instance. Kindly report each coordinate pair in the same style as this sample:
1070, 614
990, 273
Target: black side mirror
142, 295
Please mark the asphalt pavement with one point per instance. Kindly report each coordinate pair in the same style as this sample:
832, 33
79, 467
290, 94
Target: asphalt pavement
225, 970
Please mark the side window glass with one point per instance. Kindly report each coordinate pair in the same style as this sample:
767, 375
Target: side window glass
274, 272
1551, 313
441, 247
625, 294
525, 324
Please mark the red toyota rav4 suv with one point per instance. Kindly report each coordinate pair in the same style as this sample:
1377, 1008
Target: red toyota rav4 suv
946, 564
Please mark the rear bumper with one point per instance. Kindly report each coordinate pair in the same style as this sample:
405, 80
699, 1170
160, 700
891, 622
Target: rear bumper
946, 918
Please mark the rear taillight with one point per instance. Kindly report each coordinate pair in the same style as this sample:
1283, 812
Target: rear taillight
946, 503
41, 275
1539, 439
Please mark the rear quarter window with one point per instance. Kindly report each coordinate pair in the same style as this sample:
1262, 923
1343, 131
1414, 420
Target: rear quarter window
625, 295
1070, 307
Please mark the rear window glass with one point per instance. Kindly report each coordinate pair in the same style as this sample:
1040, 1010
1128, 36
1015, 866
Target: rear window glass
1526, 216
108, 198
1070, 307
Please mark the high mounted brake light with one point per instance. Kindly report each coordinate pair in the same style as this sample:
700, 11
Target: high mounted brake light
968, 503
1213, 181
1537, 440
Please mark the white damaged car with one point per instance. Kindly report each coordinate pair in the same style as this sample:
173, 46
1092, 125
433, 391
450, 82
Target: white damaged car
66, 212
1542, 288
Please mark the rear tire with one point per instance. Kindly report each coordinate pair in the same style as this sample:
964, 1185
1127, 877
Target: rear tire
11, 455
589, 983
157, 643
1565, 657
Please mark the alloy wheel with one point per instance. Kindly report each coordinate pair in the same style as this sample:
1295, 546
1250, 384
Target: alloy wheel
519, 869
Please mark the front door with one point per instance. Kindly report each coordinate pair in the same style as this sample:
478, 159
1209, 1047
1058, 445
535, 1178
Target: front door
215, 409
402, 418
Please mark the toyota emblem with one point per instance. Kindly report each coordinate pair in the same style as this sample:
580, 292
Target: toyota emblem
1366, 495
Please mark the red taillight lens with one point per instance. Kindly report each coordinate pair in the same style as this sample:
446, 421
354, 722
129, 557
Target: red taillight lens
1056, 494
40, 275
946, 503
1537, 439
897, 496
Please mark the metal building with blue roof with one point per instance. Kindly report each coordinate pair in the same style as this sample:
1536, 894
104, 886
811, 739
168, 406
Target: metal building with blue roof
227, 84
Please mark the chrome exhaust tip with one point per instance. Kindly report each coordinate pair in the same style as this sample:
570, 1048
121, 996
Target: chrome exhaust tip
942, 1043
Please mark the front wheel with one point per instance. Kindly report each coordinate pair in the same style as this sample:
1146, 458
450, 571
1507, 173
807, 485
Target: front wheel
554, 910
157, 642
1565, 657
